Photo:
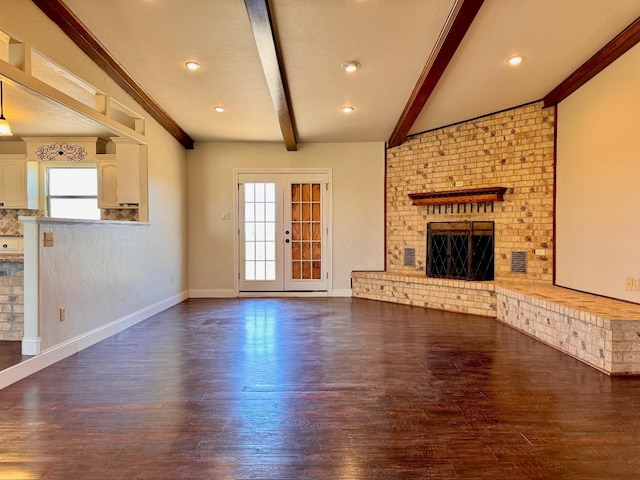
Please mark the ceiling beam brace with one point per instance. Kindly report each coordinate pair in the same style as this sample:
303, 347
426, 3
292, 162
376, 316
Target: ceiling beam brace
613, 50
455, 28
265, 37
78, 33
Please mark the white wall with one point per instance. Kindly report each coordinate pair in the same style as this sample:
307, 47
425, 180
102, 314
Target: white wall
103, 273
358, 206
598, 182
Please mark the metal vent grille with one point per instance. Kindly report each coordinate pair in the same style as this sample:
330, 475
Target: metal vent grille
518, 262
409, 257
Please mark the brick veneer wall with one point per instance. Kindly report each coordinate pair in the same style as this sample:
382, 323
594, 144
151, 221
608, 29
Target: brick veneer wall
11, 299
513, 149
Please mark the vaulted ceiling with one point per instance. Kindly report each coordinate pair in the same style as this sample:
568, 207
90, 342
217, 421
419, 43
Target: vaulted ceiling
424, 63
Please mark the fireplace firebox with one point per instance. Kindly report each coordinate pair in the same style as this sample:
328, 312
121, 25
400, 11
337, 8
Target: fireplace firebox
460, 250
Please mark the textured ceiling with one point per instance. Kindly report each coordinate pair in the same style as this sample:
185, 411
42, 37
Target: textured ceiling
392, 39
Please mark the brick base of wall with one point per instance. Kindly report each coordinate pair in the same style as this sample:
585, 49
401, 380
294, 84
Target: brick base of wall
11, 299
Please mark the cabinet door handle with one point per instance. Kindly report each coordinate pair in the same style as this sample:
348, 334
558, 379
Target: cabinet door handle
1, 204
5, 246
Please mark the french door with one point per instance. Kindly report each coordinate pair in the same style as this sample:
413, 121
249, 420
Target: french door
282, 231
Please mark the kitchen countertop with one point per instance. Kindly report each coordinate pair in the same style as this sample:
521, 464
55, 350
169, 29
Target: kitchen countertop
11, 258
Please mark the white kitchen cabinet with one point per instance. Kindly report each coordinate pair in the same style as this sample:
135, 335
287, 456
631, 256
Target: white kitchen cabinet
128, 172
18, 183
107, 184
122, 177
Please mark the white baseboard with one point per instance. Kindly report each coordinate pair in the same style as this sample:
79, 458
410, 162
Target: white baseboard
341, 292
215, 293
31, 346
63, 350
282, 294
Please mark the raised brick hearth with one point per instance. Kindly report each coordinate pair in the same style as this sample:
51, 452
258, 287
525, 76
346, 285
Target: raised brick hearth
600, 332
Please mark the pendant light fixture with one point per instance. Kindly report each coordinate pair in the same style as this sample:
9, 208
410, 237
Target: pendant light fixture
5, 129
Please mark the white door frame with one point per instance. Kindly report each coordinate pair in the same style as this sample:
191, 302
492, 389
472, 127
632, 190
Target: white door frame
236, 229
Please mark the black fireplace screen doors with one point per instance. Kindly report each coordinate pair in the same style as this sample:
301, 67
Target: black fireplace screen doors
460, 250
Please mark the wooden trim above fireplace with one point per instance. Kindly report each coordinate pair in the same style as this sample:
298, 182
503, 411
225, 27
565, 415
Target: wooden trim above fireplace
449, 197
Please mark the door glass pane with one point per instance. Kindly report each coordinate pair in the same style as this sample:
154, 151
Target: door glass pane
306, 261
259, 207
249, 211
250, 251
249, 270
260, 231
270, 251
270, 192
260, 271
270, 271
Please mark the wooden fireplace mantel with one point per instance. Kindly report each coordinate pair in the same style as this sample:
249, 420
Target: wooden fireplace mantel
448, 197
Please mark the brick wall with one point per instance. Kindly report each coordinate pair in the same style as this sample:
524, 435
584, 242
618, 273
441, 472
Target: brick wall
477, 298
11, 299
512, 149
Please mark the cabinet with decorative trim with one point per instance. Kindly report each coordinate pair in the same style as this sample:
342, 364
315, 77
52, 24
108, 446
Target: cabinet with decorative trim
18, 183
121, 177
107, 183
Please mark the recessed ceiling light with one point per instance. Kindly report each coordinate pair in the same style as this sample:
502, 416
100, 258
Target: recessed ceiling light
350, 66
193, 65
515, 60
347, 109
219, 108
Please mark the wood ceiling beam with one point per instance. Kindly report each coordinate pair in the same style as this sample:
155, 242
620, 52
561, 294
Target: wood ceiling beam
455, 28
60, 14
266, 41
608, 54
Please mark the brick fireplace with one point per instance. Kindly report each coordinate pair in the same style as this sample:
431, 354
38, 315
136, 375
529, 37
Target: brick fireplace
496, 169
513, 149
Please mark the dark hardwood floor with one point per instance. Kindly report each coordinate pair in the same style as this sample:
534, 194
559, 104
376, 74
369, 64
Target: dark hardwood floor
11, 354
319, 389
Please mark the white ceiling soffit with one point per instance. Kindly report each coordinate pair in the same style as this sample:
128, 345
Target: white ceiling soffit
32, 115
555, 37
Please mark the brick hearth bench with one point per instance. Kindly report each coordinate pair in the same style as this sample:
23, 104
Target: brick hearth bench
601, 332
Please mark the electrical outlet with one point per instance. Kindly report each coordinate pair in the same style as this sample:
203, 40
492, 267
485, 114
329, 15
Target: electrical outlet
629, 284
636, 284
63, 314
459, 183
48, 239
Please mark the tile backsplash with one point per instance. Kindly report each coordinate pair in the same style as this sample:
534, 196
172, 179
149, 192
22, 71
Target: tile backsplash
125, 214
10, 226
